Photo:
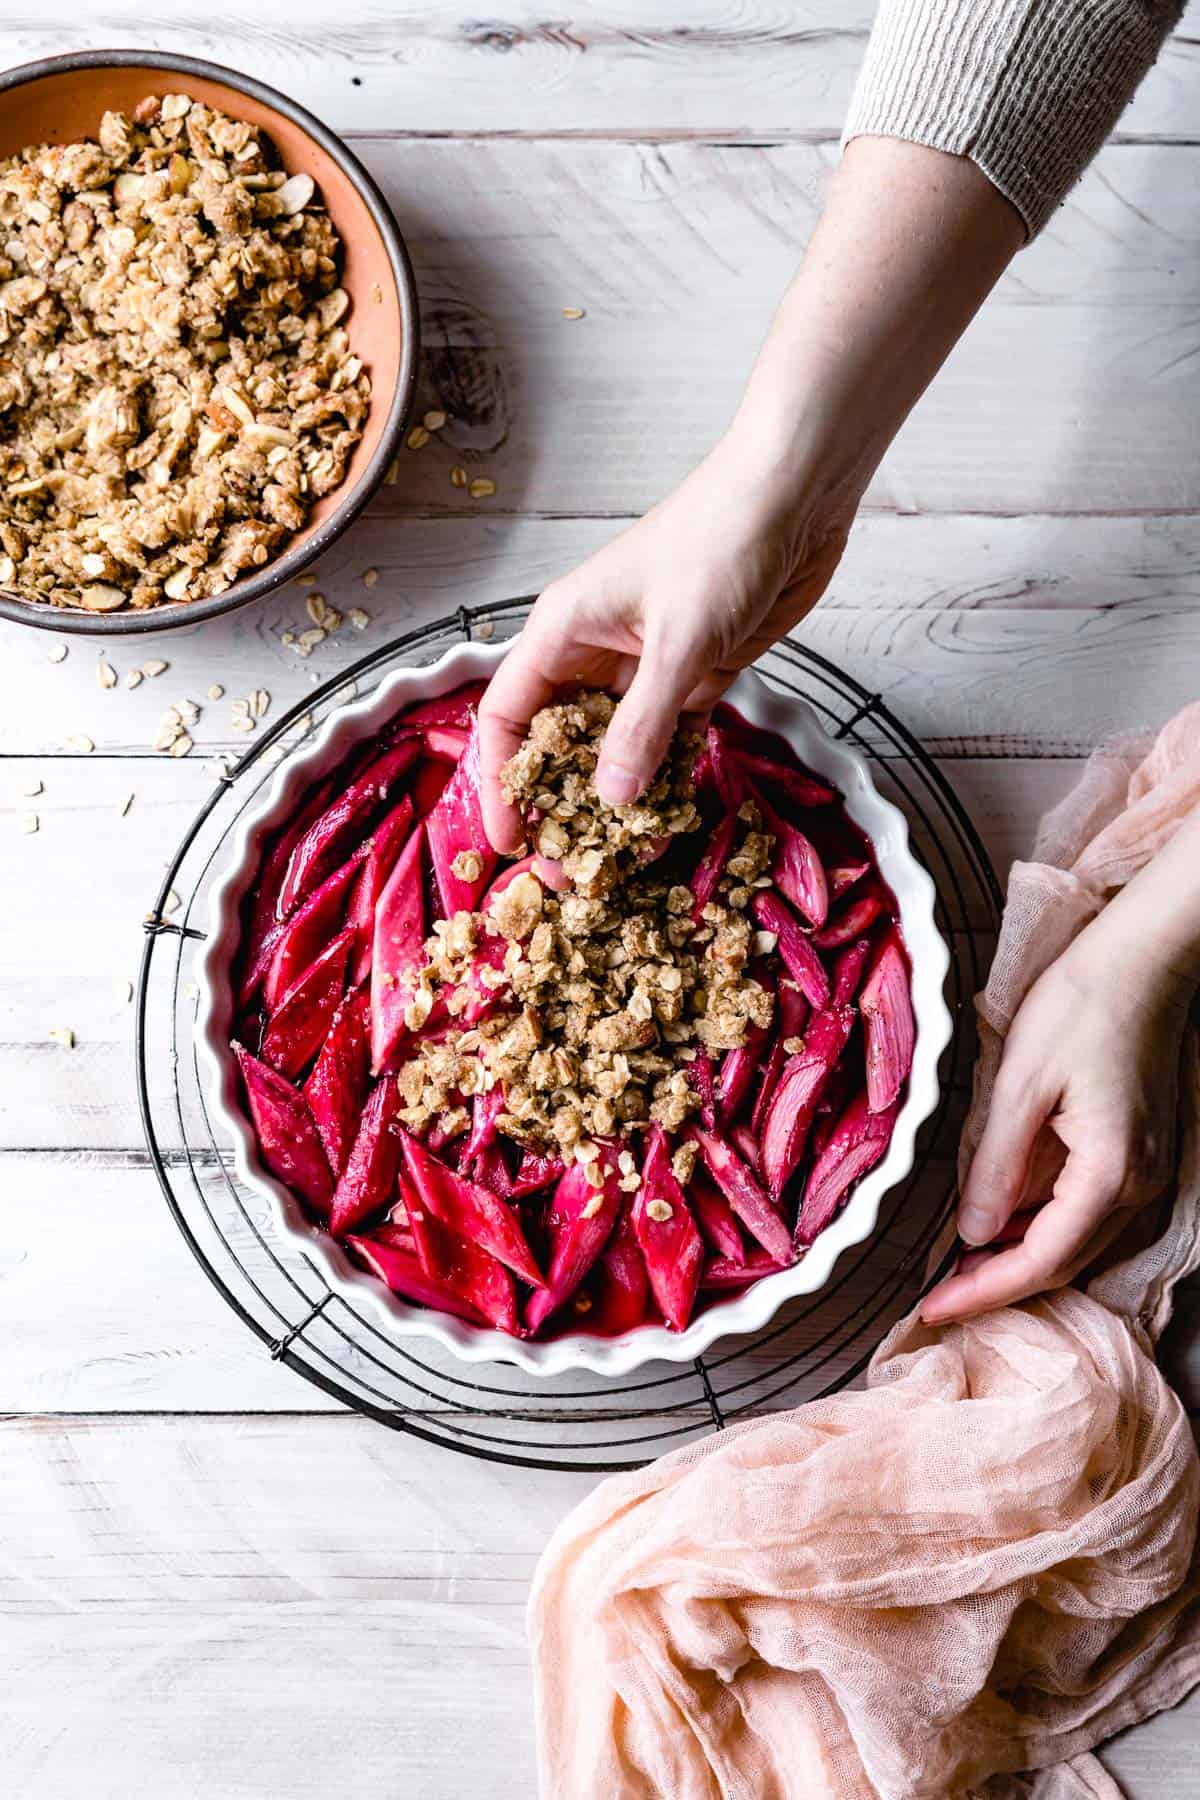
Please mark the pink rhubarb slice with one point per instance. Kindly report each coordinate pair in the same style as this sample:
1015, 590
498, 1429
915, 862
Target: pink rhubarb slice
399, 950
457, 709
702, 1080
304, 935
300, 1023
666, 1231
739, 1067
720, 1274
473, 1273
400, 1269
287, 1135
469, 1210
445, 741
791, 1016
794, 785
849, 966
486, 1108
336, 1090
263, 928
794, 1107
715, 1217
621, 1286
888, 1026
579, 1221
709, 870
853, 919
857, 1143
795, 946
383, 847
455, 826
325, 842
367, 1180
744, 1194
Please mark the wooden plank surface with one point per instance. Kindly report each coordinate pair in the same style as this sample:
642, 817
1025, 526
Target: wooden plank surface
329, 1594
750, 68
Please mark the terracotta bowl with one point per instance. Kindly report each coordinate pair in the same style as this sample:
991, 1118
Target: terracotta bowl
61, 99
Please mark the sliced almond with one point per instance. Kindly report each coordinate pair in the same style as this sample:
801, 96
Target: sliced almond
93, 564
295, 194
332, 308
177, 583
174, 106
8, 569
101, 597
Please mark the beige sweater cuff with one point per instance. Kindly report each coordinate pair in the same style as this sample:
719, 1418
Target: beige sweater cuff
1028, 89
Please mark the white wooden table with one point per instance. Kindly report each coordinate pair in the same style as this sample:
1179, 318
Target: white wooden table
213, 1583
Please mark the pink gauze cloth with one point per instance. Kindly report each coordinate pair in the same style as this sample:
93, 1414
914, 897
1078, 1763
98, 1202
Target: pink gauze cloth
983, 1563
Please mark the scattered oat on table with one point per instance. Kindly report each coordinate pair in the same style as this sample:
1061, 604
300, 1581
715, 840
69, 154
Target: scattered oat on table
216, 691
133, 678
106, 675
573, 312
156, 666
182, 746
393, 474
29, 822
58, 653
62, 1034
417, 438
458, 476
260, 700
370, 577
358, 619
485, 630
433, 421
80, 743
171, 903
482, 488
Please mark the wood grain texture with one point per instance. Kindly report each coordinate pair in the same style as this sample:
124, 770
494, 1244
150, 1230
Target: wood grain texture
720, 68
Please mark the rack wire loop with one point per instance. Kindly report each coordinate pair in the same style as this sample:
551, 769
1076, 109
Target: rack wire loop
813, 1347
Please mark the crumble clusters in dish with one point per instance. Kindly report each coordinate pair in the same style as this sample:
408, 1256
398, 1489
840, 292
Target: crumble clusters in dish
610, 986
176, 383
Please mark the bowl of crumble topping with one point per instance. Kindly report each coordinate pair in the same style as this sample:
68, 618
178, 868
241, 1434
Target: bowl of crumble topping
605, 1101
208, 340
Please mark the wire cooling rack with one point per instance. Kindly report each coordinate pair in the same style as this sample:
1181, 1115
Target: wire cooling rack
814, 1345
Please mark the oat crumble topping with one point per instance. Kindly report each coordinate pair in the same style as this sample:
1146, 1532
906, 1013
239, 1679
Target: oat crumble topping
176, 382
610, 987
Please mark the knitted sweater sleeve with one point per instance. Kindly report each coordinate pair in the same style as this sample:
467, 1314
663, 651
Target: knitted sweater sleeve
1027, 89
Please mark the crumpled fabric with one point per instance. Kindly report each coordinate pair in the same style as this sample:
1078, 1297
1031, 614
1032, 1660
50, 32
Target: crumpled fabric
958, 1580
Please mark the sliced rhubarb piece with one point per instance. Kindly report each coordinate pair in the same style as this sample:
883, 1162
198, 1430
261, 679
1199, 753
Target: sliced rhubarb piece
399, 950
843, 876
720, 1274
856, 1145
702, 1080
367, 1180
888, 1027
325, 842
744, 1194
848, 967
746, 1145
287, 1136
314, 923
478, 994
486, 1108
794, 785
795, 946
469, 1210
457, 709
621, 1287
430, 780
492, 1171
445, 741
715, 1217
536, 1171
456, 834
851, 921
383, 847
400, 1269
336, 1090
709, 870
741, 1065
796, 869
794, 1106
791, 1017
666, 1231
579, 1221
264, 925
300, 1023
472, 1273
725, 771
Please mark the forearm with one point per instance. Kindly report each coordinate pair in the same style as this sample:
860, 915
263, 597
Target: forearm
910, 244
1150, 931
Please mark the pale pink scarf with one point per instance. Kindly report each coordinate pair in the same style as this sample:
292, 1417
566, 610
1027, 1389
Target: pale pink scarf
981, 1564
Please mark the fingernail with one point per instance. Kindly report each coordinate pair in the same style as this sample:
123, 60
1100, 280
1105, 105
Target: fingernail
616, 786
975, 1226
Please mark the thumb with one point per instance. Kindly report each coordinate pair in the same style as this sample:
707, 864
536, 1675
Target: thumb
641, 729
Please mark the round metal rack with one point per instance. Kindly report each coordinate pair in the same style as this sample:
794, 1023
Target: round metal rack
812, 1347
